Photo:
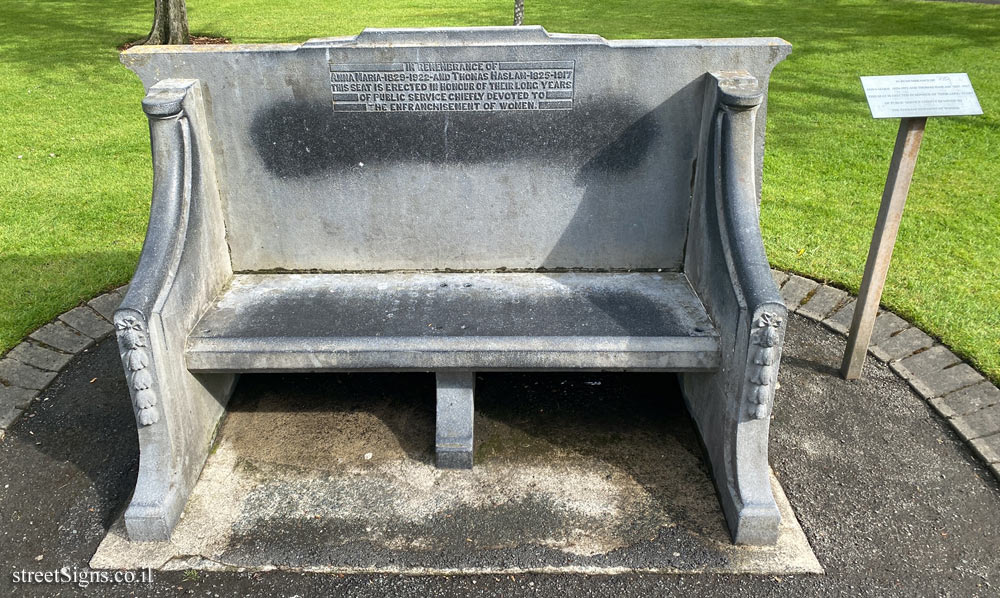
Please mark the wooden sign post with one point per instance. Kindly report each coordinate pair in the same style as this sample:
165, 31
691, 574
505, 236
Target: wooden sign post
911, 98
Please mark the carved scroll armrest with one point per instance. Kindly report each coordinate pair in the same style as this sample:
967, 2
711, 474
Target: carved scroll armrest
763, 309
725, 259
170, 140
184, 261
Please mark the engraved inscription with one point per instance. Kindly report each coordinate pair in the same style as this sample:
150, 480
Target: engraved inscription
452, 86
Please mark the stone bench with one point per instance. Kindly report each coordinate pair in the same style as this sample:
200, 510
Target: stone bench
454, 201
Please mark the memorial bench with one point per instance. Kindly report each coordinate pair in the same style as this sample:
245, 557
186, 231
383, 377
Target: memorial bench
454, 201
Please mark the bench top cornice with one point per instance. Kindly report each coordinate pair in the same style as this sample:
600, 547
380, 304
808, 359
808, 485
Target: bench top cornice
461, 36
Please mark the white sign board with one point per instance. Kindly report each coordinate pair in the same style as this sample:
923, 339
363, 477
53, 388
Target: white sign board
908, 96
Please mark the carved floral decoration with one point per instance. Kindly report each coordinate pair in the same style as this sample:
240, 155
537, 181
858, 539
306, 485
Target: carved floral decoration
765, 341
135, 344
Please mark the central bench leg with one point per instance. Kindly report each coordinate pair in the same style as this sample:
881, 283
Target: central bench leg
453, 443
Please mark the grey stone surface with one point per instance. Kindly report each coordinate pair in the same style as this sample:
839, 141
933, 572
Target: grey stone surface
796, 289
89, 322
950, 379
60, 336
822, 302
453, 150
38, 356
984, 422
841, 320
622, 120
106, 304
454, 425
887, 324
452, 320
928, 362
183, 266
20, 374
13, 400
967, 400
779, 277
988, 448
901, 345
930, 372
17, 396
8, 414
724, 237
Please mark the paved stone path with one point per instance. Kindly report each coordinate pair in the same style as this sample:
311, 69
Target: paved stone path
29, 367
968, 401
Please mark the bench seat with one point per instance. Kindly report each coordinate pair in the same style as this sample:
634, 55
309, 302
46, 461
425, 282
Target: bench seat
431, 321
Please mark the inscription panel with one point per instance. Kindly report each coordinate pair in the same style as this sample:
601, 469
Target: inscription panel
460, 86
901, 96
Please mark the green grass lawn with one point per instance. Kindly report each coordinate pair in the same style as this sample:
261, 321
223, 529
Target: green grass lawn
75, 172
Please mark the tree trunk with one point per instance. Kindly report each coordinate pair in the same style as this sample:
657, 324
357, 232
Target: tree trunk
170, 24
518, 11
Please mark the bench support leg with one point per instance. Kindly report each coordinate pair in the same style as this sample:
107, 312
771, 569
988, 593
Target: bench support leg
453, 443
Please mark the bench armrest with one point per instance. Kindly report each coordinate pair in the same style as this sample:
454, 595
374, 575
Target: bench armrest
183, 266
726, 265
725, 259
185, 260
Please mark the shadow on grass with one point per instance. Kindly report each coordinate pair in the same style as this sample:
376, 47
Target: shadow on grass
80, 35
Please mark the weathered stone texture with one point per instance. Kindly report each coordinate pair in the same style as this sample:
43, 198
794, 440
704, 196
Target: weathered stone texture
967, 400
979, 423
823, 302
887, 324
87, 321
988, 448
17, 396
21, 374
841, 319
8, 414
39, 356
60, 336
795, 290
927, 362
949, 380
492, 190
106, 304
902, 345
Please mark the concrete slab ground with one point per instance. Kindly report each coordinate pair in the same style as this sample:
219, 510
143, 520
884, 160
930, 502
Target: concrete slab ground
577, 473
891, 499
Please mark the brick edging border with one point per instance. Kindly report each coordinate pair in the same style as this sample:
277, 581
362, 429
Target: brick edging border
962, 396
28, 368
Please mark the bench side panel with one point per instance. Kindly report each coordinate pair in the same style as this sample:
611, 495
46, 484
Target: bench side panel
184, 264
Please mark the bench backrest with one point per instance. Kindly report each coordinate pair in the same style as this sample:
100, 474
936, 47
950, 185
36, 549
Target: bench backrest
456, 149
